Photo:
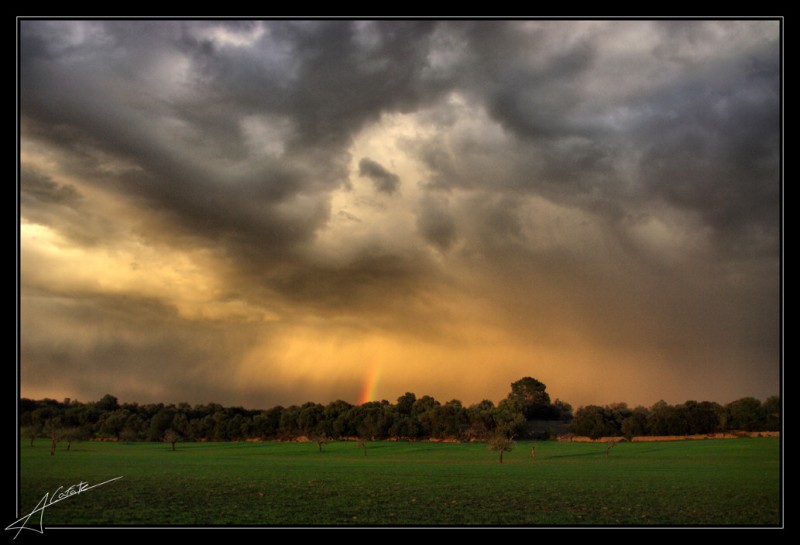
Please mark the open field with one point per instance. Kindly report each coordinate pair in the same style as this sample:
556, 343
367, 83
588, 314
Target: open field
713, 482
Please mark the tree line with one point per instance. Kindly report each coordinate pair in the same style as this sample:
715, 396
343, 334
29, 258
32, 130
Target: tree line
527, 412
690, 418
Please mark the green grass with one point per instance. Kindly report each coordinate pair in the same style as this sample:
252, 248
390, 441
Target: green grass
712, 482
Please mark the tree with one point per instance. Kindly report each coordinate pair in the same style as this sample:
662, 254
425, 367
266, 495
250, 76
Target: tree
772, 413
112, 422
171, 436
535, 402
450, 420
375, 419
501, 443
180, 423
509, 418
564, 410
405, 427
107, 403
160, 422
309, 417
701, 417
594, 421
746, 414
321, 440
55, 432
73, 433
31, 432
287, 428
267, 423
635, 424
665, 419
405, 402
480, 419
424, 404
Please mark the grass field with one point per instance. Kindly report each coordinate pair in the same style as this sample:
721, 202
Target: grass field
713, 482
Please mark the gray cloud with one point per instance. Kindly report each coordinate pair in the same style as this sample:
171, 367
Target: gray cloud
704, 141
384, 180
190, 160
436, 223
36, 187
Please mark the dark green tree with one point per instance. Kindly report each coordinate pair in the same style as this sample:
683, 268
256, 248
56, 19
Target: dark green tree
112, 422
746, 414
501, 443
172, 437
405, 403
772, 413
481, 420
564, 410
309, 417
534, 400
595, 422
509, 418
701, 418
288, 427
107, 403
635, 424
31, 432
73, 433
55, 431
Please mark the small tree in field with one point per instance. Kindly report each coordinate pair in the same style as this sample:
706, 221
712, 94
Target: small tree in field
31, 432
55, 432
501, 443
363, 444
73, 433
321, 440
171, 436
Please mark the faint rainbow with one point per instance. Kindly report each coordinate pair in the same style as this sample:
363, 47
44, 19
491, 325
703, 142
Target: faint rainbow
368, 391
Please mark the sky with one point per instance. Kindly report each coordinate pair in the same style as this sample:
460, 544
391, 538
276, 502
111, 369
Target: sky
257, 213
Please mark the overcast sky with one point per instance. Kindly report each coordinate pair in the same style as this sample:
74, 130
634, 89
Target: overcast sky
260, 213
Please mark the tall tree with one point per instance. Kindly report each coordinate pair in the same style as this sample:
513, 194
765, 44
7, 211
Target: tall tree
534, 400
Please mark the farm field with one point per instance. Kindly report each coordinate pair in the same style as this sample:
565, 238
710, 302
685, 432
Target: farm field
685, 483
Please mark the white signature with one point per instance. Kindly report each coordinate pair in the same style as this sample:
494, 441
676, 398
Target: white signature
48, 500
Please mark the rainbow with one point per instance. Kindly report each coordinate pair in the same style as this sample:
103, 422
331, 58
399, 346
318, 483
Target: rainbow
368, 391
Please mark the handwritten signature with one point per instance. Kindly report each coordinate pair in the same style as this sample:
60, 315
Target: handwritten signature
48, 500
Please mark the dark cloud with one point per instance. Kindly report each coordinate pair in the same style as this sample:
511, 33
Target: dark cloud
62, 207
314, 84
41, 188
705, 141
384, 180
436, 223
723, 129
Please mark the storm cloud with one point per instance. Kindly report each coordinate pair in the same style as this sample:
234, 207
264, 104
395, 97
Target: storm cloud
261, 212
385, 181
